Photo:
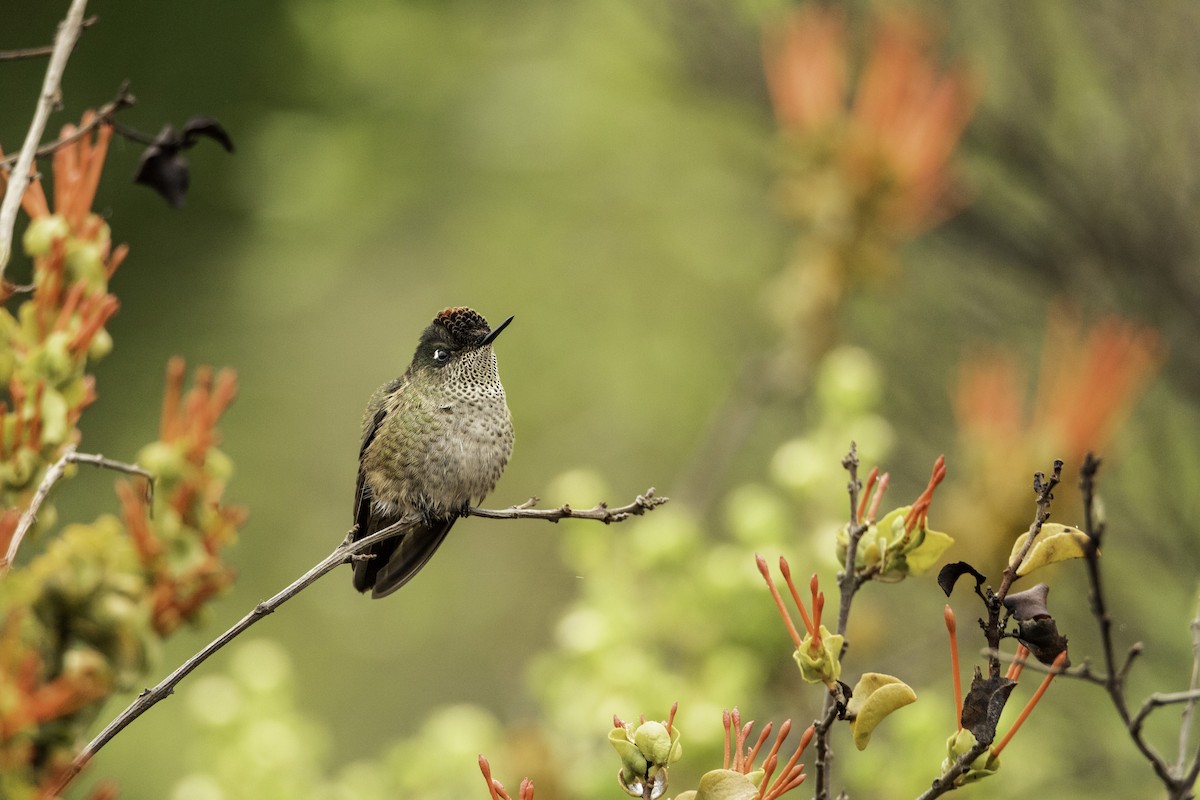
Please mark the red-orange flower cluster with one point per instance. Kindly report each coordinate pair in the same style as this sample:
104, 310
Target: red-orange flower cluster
193, 483
893, 133
740, 758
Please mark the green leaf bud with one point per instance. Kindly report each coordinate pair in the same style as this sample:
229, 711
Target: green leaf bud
85, 262
54, 361
20, 468
54, 412
41, 234
101, 345
820, 663
164, 460
957, 745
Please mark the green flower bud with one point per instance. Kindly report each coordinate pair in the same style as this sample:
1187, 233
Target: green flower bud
85, 262
20, 467
819, 663
54, 361
101, 345
645, 753
957, 745
633, 763
55, 425
654, 741
163, 460
42, 233
218, 465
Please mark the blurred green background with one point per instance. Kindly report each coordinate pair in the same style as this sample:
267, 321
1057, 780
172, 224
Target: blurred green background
605, 170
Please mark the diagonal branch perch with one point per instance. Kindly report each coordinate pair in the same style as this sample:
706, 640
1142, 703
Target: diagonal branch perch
345, 552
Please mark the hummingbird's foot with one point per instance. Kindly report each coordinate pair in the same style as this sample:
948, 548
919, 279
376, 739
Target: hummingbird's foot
429, 518
465, 511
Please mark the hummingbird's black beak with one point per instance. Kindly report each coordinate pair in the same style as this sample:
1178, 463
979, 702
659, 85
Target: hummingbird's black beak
494, 332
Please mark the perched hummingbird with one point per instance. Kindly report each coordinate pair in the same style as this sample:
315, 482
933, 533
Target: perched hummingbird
434, 440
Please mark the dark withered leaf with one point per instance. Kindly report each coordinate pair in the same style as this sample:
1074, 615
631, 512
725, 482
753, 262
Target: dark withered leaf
1042, 638
206, 126
163, 169
163, 166
949, 575
983, 704
1029, 604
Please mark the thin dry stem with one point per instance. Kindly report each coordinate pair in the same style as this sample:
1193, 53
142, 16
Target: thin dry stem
53, 475
601, 512
51, 95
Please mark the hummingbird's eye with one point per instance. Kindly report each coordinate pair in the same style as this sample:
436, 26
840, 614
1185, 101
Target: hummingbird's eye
441, 355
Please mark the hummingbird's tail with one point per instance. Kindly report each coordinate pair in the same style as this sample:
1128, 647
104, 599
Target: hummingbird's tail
395, 561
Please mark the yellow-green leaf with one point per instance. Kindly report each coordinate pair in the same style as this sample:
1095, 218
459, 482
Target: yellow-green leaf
1055, 543
875, 696
725, 784
922, 557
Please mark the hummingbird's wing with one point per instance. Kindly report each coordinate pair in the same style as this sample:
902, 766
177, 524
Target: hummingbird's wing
366, 520
393, 561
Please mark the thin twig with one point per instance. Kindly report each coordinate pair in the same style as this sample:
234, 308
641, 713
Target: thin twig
1189, 710
993, 629
1179, 787
848, 584
1160, 699
103, 116
848, 581
51, 96
44, 50
601, 512
345, 552
823, 758
1045, 493
53, 475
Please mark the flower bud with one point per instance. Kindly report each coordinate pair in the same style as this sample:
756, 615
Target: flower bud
163, 460
819, 661
42, 233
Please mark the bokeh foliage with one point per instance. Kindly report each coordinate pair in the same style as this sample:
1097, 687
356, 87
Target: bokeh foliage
608, 170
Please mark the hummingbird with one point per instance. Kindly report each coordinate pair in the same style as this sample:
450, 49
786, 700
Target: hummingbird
434, 440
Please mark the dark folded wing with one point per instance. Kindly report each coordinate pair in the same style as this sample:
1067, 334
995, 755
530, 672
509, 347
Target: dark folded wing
367, 520
393, 561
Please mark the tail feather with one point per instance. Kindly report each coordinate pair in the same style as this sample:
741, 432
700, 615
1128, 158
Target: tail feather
412, 550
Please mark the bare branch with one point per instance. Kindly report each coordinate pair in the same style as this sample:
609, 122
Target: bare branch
849, 583
1189, 710
103, 116
946, 782
1044, 488
44, 50
51, 96
601, 512
53, 475
344, 553
1179, 786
